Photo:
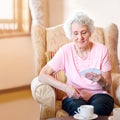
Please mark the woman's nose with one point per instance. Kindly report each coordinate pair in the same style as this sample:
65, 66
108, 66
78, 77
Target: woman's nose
80, 37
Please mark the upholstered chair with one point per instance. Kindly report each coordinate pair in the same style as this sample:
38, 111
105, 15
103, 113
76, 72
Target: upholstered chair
46, 41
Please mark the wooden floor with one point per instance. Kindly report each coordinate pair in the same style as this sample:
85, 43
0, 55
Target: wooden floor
18, 105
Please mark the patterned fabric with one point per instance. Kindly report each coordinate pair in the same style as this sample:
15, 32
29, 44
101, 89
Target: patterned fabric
38, 12
49, 55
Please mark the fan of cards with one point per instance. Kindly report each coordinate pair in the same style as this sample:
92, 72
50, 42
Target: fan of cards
94, 70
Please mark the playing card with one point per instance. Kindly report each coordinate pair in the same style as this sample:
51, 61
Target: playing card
94, 70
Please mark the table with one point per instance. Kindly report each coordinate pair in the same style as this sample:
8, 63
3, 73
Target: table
71, 118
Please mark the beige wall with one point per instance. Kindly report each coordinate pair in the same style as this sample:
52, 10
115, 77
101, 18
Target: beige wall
16, 70
55, 12
102, 11
16, 62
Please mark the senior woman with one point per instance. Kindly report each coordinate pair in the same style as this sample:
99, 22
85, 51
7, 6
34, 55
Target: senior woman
86, 65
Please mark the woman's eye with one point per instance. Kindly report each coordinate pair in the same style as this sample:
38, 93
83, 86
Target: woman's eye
75, 33
83, 33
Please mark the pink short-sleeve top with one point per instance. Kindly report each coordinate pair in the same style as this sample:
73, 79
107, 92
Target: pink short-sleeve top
66, 59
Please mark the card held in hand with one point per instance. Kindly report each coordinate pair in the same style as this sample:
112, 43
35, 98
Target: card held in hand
94, 70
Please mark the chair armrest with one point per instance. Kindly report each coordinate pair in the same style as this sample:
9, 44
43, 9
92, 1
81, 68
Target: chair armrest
115, 89
44, 94
41, 92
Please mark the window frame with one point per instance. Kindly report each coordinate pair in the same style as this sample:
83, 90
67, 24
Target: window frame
21, 20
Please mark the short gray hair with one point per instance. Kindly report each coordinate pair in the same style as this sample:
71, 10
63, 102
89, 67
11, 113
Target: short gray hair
80, 18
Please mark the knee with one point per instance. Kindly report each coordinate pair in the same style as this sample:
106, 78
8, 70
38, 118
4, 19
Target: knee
103, 109
103, 104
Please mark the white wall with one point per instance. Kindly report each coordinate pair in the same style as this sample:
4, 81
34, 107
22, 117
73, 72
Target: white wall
103, 12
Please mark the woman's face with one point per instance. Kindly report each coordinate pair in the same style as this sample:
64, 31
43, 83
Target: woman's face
80, 35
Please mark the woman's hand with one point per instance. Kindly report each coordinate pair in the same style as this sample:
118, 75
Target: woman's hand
93, 76
100, 79
72, 92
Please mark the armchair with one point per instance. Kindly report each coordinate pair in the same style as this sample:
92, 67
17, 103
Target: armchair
50, 39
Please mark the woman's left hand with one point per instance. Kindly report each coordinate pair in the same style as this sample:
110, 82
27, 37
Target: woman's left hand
101, 79
93, 76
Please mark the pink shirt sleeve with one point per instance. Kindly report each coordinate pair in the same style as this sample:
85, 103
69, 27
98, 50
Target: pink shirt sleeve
57, 62
106, 66
101, 57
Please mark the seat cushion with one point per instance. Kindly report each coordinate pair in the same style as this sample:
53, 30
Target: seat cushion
59, 111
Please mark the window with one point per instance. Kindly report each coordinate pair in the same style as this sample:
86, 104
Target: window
14, 17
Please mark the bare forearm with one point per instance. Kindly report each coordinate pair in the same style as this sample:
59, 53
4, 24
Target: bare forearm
48, 79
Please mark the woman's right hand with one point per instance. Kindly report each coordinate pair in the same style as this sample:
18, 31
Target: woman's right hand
72, 92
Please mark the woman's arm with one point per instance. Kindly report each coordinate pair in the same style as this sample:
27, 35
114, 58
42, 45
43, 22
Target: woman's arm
47, 76
105, 81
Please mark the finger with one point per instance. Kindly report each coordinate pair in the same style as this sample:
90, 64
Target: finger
77, 91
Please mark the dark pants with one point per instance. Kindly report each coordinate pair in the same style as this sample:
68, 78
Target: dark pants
103, 104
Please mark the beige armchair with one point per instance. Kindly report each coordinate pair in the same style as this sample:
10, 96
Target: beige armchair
50, 39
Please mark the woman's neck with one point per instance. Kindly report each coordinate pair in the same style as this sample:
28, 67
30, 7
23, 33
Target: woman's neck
83, 52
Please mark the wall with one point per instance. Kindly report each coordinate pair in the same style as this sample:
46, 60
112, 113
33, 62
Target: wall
16, 74
16, 62
102, 11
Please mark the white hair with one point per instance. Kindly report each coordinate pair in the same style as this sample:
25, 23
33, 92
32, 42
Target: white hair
80, 18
